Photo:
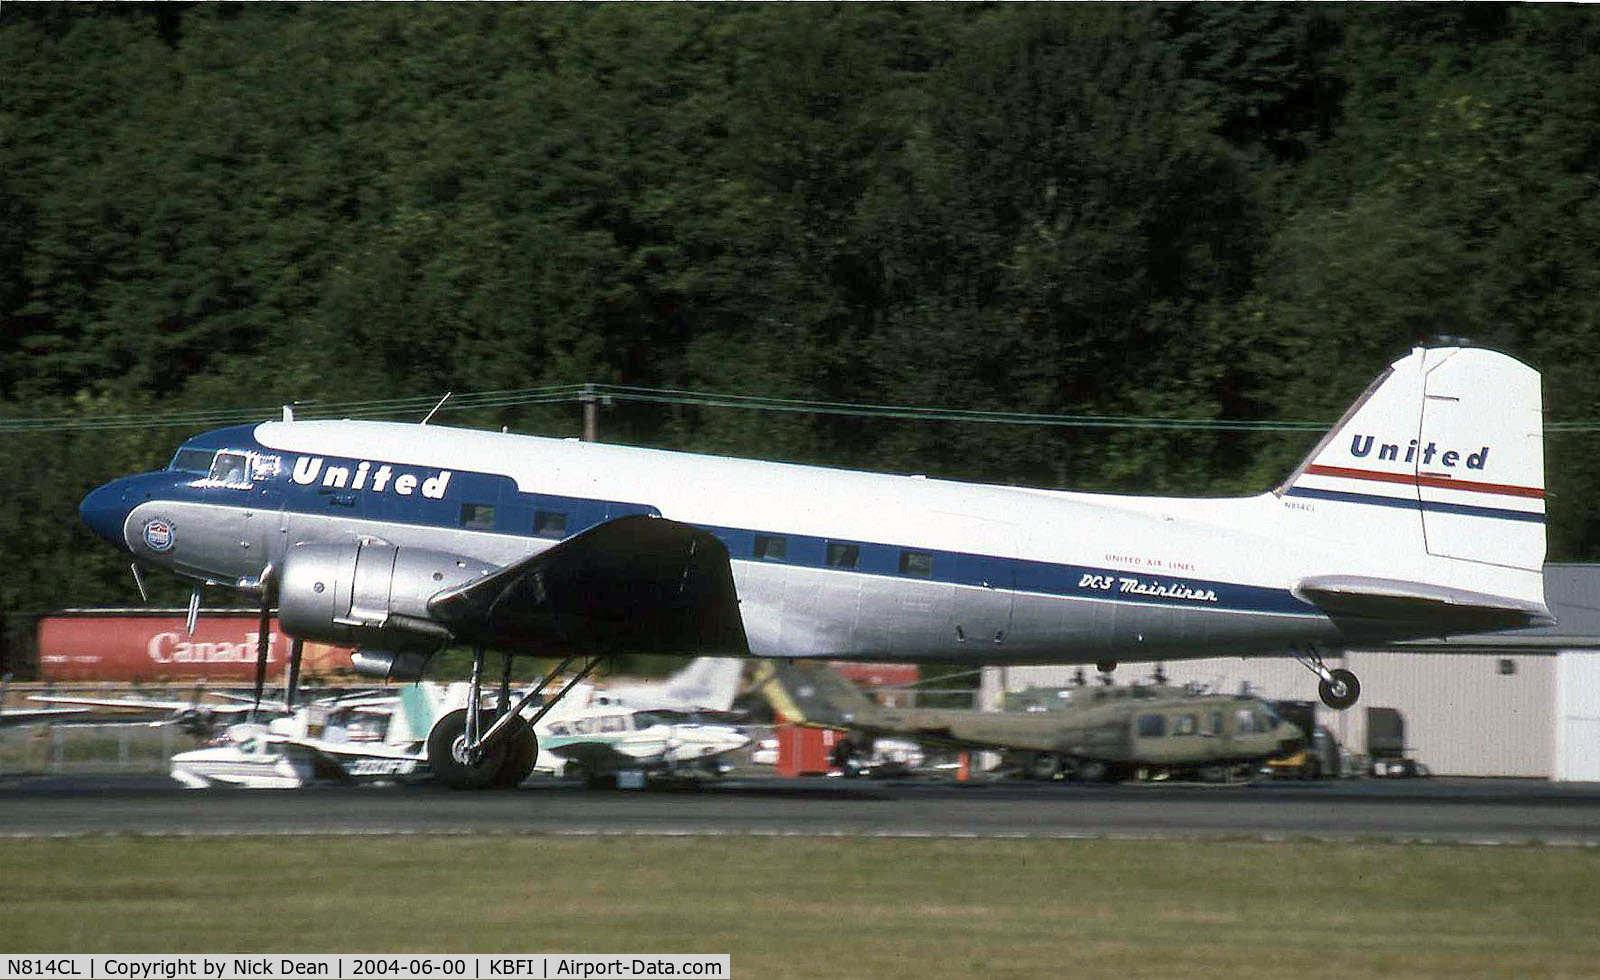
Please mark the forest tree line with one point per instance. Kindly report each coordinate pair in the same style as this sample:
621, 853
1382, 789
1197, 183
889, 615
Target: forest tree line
1189, 212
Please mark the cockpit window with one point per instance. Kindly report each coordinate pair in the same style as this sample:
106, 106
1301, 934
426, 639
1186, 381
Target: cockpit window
192, 460
231, 469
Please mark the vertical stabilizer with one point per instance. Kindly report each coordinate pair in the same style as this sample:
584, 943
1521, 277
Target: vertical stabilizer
1443, 457
810, 693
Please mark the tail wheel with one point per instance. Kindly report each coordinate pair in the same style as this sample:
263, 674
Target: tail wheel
452, 764
522, 750
1340, 691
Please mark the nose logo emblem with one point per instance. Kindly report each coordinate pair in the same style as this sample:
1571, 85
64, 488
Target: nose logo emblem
158, 534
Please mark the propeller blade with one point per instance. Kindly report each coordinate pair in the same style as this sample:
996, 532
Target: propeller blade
291, 683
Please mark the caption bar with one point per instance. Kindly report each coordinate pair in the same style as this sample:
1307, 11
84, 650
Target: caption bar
467, 966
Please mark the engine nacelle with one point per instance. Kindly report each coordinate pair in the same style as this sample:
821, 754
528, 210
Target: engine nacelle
368, 593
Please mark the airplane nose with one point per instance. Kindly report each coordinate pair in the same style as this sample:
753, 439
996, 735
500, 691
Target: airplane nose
105, 510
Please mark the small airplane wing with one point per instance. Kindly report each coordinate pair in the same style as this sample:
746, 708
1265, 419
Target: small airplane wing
149, 704
637, 584
12, 717
1353, 601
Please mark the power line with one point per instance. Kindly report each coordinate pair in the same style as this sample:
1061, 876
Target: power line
413, 407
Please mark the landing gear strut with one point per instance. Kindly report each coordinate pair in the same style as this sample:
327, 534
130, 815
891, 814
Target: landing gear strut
1338, 688
464, 755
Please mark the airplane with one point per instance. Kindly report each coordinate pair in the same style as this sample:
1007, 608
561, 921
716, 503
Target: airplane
604, 744
1420, 513
1099, 733
363, 738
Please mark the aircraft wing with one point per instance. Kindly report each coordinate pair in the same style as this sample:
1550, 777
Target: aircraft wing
1357, 603
637, 584
34, 716
149, 704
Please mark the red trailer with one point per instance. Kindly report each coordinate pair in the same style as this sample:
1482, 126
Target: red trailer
151, 645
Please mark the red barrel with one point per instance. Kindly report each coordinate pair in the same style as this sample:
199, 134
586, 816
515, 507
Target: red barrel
154, 645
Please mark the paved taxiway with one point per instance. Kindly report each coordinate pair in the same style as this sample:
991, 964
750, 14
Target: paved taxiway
1445, 810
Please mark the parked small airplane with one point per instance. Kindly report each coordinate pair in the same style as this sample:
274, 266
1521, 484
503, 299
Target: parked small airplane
344, 740
1096, 733
601, 742
1421, 513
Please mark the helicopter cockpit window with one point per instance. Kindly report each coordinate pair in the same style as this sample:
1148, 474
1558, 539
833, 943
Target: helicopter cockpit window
192, 460
231, 469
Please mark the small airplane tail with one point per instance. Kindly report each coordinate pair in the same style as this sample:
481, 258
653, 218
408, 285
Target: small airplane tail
809, 693
710, 682
1437, 473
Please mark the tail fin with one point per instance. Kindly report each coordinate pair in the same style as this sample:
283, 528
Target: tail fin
1437, 472
809, 693
710, 682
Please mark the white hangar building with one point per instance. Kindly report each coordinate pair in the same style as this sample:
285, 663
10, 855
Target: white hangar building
1523, 703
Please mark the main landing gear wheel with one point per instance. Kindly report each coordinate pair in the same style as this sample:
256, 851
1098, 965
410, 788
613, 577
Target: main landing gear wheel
522, 750
454, 766
1340, 690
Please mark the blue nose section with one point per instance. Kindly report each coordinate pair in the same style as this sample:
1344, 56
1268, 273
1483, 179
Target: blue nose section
105, 510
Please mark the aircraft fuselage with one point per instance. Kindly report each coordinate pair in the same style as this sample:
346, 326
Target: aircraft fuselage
828, 563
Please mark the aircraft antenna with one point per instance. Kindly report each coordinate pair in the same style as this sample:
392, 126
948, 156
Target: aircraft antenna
446, 398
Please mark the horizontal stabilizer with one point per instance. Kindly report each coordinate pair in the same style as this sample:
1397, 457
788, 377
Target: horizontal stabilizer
637, 584
1431, 610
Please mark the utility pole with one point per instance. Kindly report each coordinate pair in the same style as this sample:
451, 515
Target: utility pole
591, 413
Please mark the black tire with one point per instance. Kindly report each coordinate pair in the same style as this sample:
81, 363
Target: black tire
1044, 766
1341, 692
453, 772
522, 750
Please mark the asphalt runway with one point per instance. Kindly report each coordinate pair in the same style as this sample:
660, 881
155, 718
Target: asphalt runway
1428, 810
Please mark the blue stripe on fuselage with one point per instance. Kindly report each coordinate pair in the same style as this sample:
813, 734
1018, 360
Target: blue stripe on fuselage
1412, 503
515, 511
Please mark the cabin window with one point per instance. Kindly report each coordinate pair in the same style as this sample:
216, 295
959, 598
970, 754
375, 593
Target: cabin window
918, 564
231, 470
1152, 725
549, 524
1266, 721
841, 555
771, 547
644, 719
1214, 723
558, 728
477, 517
613, 723
192, 460
1244, 721
1185, 725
